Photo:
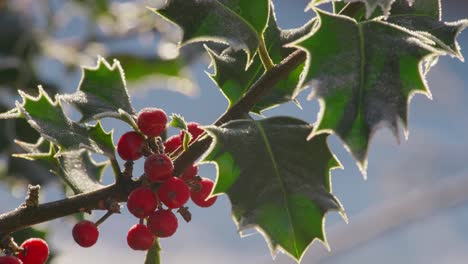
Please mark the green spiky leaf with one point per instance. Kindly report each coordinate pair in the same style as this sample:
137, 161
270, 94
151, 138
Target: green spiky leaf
42, 150
47, 117
76, 168
371, 5
276, 179
234, 80
425, 17
178, 121
239, 23
102, 138
35, 163
79, 171
361, 79
102, 92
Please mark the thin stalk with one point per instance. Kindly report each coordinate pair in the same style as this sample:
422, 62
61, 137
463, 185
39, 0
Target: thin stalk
264, 56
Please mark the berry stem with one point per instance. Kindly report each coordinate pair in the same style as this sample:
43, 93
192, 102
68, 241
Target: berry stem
264, 56
104, 218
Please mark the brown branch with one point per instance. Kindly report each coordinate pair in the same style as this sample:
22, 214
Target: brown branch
243, 106
25, 217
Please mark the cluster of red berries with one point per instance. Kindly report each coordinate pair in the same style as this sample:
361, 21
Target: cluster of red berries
161, 188
33, 251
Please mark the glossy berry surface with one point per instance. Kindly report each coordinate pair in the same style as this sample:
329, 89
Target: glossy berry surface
172, 144
163, 223
35, 251
85, 233
139, 237
199, 196
189, 173
174, 192
158, 167
194, 129
130, 146
9, 260
152, 121
142, 202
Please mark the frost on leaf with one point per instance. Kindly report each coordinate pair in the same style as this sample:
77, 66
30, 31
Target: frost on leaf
76, 168
42, 151
239, 23
282, 187
79, 171
101, 92
371, 5
364, 75
46, 116
425, 17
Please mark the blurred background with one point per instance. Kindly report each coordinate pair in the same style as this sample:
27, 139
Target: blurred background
413, 208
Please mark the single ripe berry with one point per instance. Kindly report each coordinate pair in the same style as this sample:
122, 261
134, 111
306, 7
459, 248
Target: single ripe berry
139, 237
174, 192
189, 173
199, 195
35, 251
158, 167
130, 145
85, 233
9, 260
162, 223
194, 129
142, 202
172, 144
152, 121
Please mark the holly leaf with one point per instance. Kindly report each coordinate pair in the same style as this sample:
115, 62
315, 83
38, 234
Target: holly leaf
177, 121
234, 79
76, 168
42, 153
361, 80
426, 18
240, 23
47, 117
101, 93
276, 180
371, 5
102, 138
152, 256
42, 150
79, 171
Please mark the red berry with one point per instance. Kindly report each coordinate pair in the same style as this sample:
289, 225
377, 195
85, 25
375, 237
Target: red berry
172, 144
141, 202
199, 196
35, 251
139, 237
189, 173
174, 193
158, 167
163, 223
85, 233
194, 129
152, 121
130, 145
9, 260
